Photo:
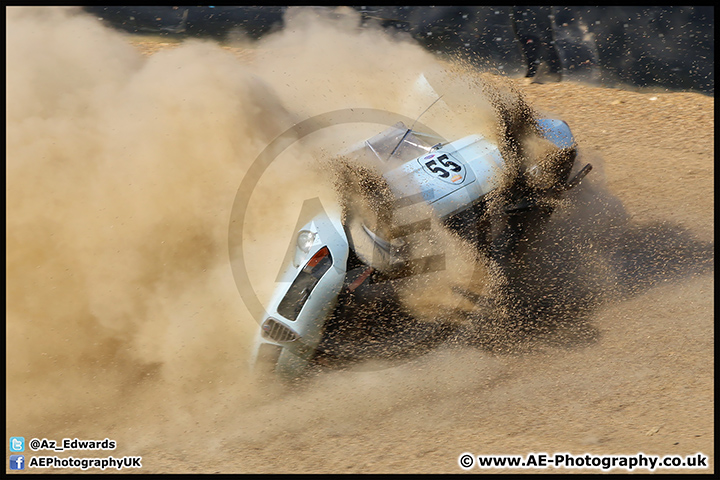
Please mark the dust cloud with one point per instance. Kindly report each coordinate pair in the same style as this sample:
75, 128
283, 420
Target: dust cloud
120, 170
121, 174
123, 319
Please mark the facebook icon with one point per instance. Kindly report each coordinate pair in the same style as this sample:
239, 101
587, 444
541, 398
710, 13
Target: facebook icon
17, 462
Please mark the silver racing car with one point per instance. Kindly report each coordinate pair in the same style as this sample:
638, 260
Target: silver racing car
338, 299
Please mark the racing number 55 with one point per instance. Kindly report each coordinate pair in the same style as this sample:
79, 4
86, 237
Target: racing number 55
445, 162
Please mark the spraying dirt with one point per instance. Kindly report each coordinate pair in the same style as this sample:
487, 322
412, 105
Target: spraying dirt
124, 321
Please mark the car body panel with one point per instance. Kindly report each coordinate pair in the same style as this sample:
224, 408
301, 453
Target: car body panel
307, 326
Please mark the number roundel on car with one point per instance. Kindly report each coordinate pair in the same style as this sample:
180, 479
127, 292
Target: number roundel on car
445, 167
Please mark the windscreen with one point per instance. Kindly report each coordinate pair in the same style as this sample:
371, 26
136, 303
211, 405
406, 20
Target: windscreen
398, 142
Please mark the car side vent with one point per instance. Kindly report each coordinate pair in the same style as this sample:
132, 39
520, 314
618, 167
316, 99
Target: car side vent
277, 332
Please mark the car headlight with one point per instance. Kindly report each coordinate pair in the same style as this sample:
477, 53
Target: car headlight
305, 240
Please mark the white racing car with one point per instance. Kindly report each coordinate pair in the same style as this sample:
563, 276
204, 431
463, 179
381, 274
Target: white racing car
340, 290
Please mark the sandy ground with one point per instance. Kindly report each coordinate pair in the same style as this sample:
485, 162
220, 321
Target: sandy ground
641, 380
